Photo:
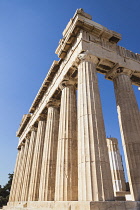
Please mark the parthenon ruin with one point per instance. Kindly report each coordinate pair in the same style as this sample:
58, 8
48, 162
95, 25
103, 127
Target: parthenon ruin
64, 160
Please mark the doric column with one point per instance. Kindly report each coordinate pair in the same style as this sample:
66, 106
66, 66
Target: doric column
22, 171
15, 175
27, 174
14, 197
116, 165
66, 169
94, 175
129, 120
37, 160
48, 171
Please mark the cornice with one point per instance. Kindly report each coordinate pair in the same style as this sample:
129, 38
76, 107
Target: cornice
51, 73
24, 122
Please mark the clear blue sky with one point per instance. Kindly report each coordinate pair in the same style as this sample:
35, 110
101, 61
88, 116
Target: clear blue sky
29, 34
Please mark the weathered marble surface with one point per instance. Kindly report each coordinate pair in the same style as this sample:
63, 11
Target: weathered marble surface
48, 169
116, 165
129, 120
94, 174
66, 187
76, 205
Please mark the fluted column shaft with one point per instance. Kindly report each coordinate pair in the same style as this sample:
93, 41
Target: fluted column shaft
66, 170
27, 174
116, 166
37, 162
94, 175
22, 171
15, 176
48, 170
14, 197
129, 120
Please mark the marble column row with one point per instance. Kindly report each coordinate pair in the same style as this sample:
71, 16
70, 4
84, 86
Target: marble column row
36, 171
62, 163
90, 123
57, 164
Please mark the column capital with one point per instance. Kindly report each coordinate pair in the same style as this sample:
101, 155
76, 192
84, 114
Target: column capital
67, 82
33, 128
42, 117
53, 103
27, 137
87, 56
118, 70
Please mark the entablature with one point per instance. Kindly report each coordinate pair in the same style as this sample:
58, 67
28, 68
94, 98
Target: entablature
98, 34
78, 22
81, 35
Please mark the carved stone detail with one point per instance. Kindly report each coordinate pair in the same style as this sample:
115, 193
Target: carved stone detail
53, 103
87, 56
67, 82
33, 128
116, 71
42, 117
28, 135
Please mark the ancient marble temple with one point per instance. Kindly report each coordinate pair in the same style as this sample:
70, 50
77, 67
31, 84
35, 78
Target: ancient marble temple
64, 160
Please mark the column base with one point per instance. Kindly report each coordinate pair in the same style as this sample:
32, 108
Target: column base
74, 205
